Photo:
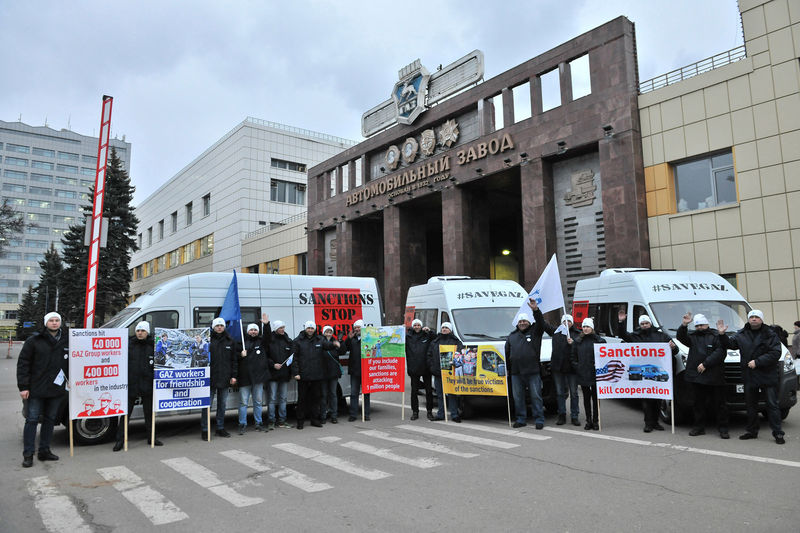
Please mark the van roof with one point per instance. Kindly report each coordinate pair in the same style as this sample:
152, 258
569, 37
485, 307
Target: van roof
658, 285
464, 292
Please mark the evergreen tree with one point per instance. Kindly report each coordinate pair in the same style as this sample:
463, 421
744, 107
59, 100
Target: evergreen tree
29, 311
50, 282
11, 223
114, 275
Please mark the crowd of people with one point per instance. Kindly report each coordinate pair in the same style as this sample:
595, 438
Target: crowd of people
268, 359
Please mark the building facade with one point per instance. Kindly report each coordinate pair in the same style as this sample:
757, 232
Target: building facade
46, 175
253, 177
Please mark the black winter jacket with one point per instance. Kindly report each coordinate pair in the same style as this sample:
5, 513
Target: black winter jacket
523, 348
704, 347
254, 368
353, 345
40, 360
763, 347
560, 357
417, 352
280, 348
330, 358
140, 366
441, 339
224, 359
582, 358
308, 356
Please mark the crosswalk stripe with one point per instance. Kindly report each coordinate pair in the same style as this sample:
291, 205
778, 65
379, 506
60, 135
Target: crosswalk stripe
58, 513
504, 431
149, 501
209, 480
458, 436
600, 436
425, 445
287, 475
332, 461
419, 462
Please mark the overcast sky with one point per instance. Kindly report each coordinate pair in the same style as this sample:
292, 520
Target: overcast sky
183, 74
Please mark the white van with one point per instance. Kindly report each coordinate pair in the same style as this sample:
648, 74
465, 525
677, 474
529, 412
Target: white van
665, 296
481, 311
193, 301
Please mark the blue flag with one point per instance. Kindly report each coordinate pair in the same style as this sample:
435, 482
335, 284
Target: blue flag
231, 312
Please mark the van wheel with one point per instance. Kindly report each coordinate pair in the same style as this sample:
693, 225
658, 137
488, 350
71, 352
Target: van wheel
94, 430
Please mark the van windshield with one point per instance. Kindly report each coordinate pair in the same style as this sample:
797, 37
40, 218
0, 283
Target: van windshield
484, 323
121, 317
670, 314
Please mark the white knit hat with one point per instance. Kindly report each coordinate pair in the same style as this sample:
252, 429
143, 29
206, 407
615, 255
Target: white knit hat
278, 324
415, 322
447, 325
143, 326
700, 320
587, 322
253, 326
565, 318
523, 316
50, 315
326, 328
644, 318
219, 321
309, 324
358, 323
756, 312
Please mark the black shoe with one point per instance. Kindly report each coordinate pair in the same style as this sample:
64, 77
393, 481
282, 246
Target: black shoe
118, 446
519, 424
780, 440
156, 443
204, 435
334, 420
724, 435
321, 421
222, 433
576, 422
438, 418
430, 416
456, 419
351, 418
748, 436
658, 427
595, 426
588, 425
562, 419
316, 423
696, 432
259, 427
47, 455
366, 418
648, 429
242, 429
414, 416
299, 425
27, 461
539, 425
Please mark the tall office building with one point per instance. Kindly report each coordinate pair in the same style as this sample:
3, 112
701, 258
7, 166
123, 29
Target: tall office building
46, 175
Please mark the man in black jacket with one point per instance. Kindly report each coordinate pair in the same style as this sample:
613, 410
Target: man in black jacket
523, 347
42, 371
309, 371
564, 376
254, 372
759, 353
418, 339
645, 333
353, 345
224, 371
140, 381
280, 353
705, 371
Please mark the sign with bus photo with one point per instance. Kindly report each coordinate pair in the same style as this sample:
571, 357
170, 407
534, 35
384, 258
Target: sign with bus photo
475, 370
182, 376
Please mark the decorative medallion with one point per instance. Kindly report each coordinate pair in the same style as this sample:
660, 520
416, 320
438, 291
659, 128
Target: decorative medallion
392, 157
448, 133
583, 189
410, 149
409, 93
428, 142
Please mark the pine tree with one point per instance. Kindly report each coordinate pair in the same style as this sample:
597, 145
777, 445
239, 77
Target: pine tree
50, 282
11, 223
114, 276
29, 311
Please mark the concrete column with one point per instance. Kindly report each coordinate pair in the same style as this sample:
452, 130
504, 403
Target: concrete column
404, 258
351, 174
538, 219
565, 81
455, 243
508, 107
344, 249
316, 253
536, 96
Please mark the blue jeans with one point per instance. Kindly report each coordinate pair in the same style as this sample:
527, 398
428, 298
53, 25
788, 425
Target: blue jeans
567, 384
518, 384
278, 391
452, 400
47, 408
355, 389
222, 398
330, 401
751, 400
257, 392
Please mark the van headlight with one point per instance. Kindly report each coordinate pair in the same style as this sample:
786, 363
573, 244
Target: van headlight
788, 363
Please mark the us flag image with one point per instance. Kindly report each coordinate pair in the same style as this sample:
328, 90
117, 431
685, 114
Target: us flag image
613, 371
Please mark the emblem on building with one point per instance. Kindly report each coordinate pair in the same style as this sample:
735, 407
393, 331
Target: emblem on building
583, 189
428, 142
392, 157
410, 149
448, 133
409, 93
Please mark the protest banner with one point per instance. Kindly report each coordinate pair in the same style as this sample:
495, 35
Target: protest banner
182, 376
475, 370
383, 361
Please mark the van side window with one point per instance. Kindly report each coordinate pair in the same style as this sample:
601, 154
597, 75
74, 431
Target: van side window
638, 311
606, 318
427, 316
445, 318
156, 319
203, 316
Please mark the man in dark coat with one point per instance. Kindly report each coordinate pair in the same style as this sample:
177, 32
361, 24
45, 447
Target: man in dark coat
42, 371
582, 359
759, 352
140, 381
645, 333
418, 339
280, 359
564, 376
445, 338
254, 372
309, 370
523, 350
224, 372
353, 345
330, 379
705, 371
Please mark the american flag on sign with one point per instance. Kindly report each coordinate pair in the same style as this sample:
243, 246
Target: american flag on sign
613, 371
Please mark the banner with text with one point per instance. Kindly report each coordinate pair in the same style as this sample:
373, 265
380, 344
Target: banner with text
383, 359
182, 375
98, 364
477, 369
635, 370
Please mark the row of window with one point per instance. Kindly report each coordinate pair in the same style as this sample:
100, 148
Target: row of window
67, 156
17, 256
46, 178
45, 191
705, 182
44, 165
174, 221
43, 204
16, 269
288, 192
180, 256
288, 165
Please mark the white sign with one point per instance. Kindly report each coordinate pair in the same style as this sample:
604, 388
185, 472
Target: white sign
182, 377
635, 370
98, 367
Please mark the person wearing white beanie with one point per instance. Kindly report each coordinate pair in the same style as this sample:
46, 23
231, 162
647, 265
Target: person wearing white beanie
523, 359
224, 355
418, 339
353, 345
582, 358
309, 371
445, 338
254, 372
281, 350
564, 377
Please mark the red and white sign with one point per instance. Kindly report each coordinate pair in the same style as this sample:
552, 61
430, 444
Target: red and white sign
98, 366
633, 370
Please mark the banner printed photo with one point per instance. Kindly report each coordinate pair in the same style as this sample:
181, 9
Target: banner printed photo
183, 372
383, 359
633, 370
98, 364
476, 370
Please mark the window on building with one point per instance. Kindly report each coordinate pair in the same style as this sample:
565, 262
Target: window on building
42, 191
207, 205
64, 219
10, 315
16, 161
174, 258
730, 278
88, 171
551, 90
174, 221
189, 214
8, 298
161, 229
496, 103
34, 257
66, 181
35, 243
187, 253
302, 264
161, 263
207, 245
288, 192
17, 148
43, 151
38, 217
12, 256
66, 194
44, 204
68, 156
9, 269
15, 174
705, 182
69, 169
14, 201
86, 183
273, 267
139, 241
522, 102
42, 178
37, 230
288, 165
89, 159
13, 187
150, 236
43, 165
581, 79
358, 172
62, 206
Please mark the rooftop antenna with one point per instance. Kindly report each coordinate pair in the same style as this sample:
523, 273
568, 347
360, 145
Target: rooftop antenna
45, 121
19, 119
69, 122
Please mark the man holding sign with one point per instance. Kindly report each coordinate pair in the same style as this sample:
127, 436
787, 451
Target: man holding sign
523, 348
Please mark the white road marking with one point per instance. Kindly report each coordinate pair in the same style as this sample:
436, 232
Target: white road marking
287, 475
209, 480
148, 500
741, 456
425, 445
330, 439
504, 431
332, 461
58, 513
420, 462
595, 435
458, 436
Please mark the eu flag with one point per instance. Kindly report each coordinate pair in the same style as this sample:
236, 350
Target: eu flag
231, 312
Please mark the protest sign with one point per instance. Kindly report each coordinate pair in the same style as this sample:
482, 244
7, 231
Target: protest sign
633, 370
182, 373
98, 364
383, 359
477, 370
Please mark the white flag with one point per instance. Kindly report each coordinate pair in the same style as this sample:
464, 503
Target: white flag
546, 292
